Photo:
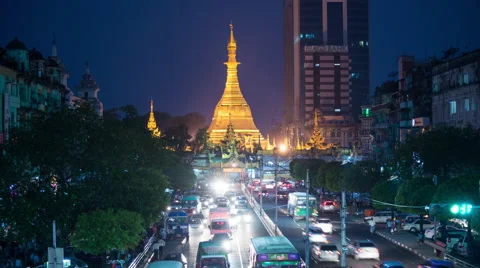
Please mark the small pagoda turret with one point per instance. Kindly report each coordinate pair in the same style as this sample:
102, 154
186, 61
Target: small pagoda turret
152, 124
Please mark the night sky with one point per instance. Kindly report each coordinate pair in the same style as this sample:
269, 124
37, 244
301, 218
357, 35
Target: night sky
174, 51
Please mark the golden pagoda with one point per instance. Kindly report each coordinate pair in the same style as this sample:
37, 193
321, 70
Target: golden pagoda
232, 107
152, 124
317, 141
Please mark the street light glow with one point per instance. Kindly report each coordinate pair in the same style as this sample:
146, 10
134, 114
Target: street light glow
283, 148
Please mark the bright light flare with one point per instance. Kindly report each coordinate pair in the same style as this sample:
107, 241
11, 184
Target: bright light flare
282, 148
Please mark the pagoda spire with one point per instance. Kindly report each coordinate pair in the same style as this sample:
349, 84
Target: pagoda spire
317, 141
152, 124
54, 46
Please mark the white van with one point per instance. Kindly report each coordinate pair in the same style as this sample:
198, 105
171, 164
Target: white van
165, 264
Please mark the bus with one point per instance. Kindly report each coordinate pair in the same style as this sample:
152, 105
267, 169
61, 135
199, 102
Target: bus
297, 207
273, 252
191, 205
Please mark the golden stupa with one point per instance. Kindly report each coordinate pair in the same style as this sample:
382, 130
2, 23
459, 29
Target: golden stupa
152, 124
232, 107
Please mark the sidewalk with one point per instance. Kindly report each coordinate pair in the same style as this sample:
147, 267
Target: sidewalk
408, 241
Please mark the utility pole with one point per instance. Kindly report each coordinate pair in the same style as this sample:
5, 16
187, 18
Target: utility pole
343, 217
276, 190
261, 198
307, 224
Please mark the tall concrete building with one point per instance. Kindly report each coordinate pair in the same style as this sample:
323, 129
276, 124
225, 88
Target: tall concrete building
317, 34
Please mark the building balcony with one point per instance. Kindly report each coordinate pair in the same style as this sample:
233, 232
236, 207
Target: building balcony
406, 104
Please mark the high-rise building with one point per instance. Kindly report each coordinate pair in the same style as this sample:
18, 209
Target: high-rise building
317, 30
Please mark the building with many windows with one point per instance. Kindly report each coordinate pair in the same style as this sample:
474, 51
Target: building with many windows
456, 93
30, 82
323, 23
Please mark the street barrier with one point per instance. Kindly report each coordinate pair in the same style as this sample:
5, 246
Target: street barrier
459, 263
137, 262
266, 221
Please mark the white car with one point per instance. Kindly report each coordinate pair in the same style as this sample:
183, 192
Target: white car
325, 252
324, 224
316, 235
363, 249
429, 233
415, 226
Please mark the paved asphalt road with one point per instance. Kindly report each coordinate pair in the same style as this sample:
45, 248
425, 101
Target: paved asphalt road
355, 231
240, 243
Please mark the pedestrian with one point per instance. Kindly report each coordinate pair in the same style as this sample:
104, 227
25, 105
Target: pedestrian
161, 243
389, 225
156, 250
163, 234
372, 226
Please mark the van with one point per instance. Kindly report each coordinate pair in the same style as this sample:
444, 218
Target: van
165, 264
379, 217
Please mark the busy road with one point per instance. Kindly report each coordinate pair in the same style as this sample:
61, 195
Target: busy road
355, 231
238, 257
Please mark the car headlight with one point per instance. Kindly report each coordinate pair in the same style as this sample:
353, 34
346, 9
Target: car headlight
226, 245
169, 208
236, 202
247, 217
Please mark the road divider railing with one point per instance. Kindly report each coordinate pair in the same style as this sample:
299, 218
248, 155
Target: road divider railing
142, 259
459, 263
269, 225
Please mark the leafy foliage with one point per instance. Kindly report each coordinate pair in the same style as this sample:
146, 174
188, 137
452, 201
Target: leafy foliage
181, 176
385, 191
415, 192
362, 176
100, 231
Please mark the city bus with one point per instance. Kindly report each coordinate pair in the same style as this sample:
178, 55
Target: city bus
273, 252
191, 205
297, 206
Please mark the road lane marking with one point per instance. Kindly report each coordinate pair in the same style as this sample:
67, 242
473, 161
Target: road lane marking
239, 252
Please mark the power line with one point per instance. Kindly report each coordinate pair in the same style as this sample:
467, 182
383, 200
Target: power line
395, 205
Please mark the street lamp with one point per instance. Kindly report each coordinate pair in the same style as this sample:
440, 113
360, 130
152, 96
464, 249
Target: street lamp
282, 148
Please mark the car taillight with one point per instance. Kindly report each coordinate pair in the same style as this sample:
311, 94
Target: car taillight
359, 250
338, 252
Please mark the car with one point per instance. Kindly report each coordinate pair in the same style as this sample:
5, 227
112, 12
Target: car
221, 199
241, 202
196, 223
282, 195
324, 224
200, 217
436, 264
174, 206
441, 231
389, 264
315, 234
230, 195
328, 206
363, 249
177, 257
204, 202
225, 239
379, 217
325, 252
415, 225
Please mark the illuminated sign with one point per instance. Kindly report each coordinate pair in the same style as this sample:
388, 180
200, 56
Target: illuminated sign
278, 257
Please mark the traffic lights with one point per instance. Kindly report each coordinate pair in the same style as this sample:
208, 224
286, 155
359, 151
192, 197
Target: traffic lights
461, 209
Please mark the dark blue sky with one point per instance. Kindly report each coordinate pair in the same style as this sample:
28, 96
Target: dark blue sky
174, 50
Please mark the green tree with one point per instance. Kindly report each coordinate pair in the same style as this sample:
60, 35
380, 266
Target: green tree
181, 176
385, 192
201, 141
415, 192
362, 176
334, 179
300, 167
101, 231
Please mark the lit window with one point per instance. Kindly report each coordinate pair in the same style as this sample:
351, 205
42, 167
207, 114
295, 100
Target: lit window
337, 110
465, 79
473, 107
366, 43
435, 87
301, 35
361, 43
336, 64
466, 104
453, 107
317, 64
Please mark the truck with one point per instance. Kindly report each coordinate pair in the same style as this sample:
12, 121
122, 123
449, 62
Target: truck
219, 221
211, 254
297, 206
176, 224
191, 204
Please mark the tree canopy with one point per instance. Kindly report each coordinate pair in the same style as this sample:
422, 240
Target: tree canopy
70, 162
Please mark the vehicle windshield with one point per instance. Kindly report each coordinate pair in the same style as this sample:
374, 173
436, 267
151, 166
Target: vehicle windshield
366, 245
323, 221
280, 264
328, 247
240, 198
316, 231
213, 263
303, 203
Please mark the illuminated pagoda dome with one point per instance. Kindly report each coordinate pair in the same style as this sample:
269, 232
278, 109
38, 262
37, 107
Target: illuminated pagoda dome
233, 108
317, 141
152, 124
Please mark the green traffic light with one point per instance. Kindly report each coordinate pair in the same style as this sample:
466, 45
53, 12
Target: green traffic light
455, 209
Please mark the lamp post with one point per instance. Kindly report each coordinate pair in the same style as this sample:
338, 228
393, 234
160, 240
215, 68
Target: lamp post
276, 190
307, 227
